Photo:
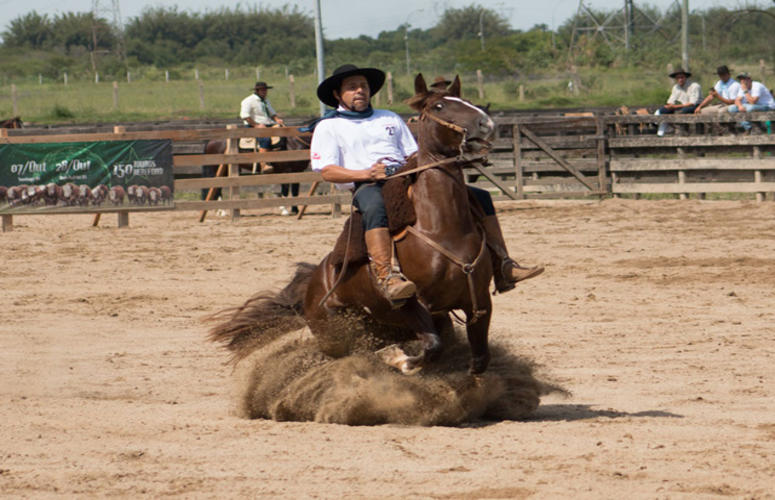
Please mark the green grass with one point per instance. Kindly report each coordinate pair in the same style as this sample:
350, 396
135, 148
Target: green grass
150, 97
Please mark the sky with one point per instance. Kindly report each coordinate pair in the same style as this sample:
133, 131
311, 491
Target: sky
352, 18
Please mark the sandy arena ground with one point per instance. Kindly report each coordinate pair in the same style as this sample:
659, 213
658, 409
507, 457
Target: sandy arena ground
659, 317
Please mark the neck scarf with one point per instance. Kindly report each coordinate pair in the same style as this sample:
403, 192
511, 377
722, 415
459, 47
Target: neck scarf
339, 113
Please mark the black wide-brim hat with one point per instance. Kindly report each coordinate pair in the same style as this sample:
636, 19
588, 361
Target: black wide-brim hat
679, 72
326, 88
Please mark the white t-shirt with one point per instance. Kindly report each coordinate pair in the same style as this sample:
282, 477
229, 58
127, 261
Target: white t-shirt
358, 144
728, 90
760, 91
259, 109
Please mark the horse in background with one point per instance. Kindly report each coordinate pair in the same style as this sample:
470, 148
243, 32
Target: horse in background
14, 122
286, 167
444, 253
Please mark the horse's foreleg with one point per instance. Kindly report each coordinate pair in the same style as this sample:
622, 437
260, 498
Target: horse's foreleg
417, 318
423, 324
477, 333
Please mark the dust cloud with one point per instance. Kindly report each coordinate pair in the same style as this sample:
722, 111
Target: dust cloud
290, 379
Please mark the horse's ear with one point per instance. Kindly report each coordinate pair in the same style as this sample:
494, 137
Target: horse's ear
419, 85
417, 101
454, 89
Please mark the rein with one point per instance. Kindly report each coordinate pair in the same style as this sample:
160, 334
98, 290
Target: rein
468, 268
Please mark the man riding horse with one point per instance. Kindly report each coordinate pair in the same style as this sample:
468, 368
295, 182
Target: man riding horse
256, 111
357, 147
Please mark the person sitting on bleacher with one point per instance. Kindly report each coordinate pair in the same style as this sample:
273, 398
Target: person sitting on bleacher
753, 96
684, 98
725, 90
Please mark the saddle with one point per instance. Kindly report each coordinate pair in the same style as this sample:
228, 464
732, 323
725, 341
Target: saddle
251, 143
400, 212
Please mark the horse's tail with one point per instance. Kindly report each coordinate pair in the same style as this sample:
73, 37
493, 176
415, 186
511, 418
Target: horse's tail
263, 317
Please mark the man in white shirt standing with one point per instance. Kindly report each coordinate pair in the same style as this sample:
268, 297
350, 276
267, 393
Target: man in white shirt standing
683, 99
256, 111
725, 90
753, 96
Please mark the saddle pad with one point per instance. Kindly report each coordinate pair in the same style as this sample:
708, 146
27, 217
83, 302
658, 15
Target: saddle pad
356, 250
399, 207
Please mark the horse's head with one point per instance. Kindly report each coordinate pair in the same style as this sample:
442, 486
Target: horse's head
449, 124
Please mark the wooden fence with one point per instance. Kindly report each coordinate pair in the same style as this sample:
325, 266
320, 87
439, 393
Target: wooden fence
533, 157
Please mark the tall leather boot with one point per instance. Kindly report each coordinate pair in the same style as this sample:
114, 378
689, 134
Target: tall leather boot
393, 284
506, 272
266, 168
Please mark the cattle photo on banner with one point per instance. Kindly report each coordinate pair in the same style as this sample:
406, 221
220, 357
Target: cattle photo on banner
86, 176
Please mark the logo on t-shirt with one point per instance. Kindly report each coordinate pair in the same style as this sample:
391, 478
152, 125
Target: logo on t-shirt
391, 130
315, 156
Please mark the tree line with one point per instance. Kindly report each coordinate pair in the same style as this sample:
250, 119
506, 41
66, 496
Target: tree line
169, 38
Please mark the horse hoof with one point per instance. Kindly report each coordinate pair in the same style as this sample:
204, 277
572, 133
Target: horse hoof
394, 356
479, 365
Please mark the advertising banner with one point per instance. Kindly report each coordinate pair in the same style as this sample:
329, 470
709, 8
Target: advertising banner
86, 176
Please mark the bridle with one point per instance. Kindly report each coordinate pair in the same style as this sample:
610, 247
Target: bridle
461, 157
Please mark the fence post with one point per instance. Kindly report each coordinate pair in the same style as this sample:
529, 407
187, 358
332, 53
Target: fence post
479, 83
115, 94
196, 74
231, 148
521, 92
291, 94
757, 174
14, 100
201, 95
128, 77
601, 176
65, 78
226, 74
390, 88
96, 77
167, 76
7, 219
682, 174
516, 140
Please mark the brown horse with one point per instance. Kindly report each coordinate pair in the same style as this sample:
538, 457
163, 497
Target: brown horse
14, 122
287, 167
444, 254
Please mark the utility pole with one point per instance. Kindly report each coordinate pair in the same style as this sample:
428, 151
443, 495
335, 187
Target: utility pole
319, 50
628, 23
406, 44
685, 35
481, 28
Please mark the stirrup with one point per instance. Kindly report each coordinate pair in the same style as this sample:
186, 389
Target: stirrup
507, 284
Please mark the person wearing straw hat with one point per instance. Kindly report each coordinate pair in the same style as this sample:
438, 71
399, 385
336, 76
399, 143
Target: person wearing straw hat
725, 90
753, 96
684, 98
256, 111
440, 83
